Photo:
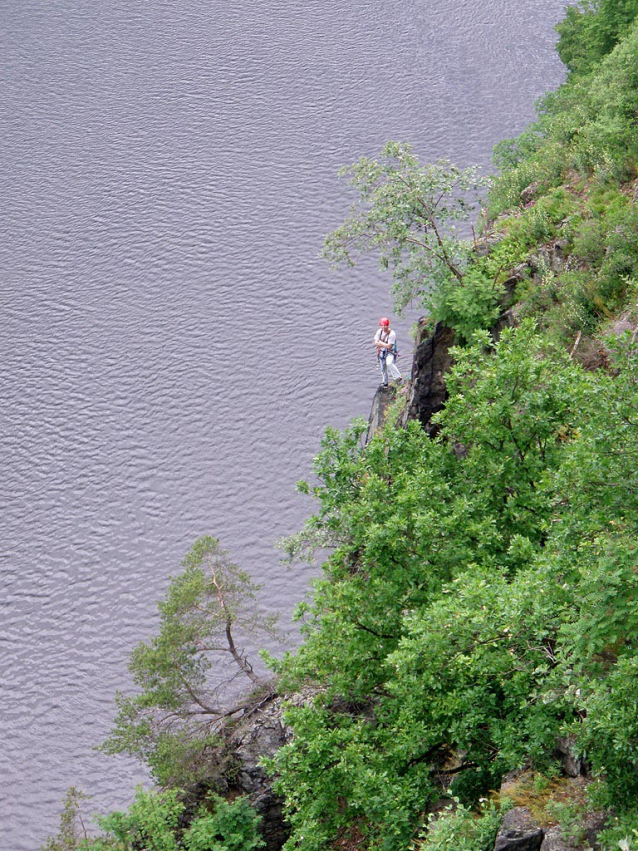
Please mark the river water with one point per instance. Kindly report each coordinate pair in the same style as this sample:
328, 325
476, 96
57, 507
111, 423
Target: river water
171, 348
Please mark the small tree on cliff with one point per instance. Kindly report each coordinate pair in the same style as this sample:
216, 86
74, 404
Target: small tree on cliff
73, 834
406, 213
187, 673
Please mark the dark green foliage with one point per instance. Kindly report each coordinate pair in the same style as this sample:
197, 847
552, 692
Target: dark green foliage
606, 240
599, 236
155, 822
591, 29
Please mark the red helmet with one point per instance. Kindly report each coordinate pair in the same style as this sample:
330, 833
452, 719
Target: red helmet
384, 321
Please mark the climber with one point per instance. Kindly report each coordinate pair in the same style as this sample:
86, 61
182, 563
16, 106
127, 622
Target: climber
386, 342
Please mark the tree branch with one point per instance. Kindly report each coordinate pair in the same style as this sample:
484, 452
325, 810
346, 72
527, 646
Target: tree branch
373, 631
243, 663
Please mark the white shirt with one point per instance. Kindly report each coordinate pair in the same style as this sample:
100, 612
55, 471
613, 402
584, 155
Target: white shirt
390, 338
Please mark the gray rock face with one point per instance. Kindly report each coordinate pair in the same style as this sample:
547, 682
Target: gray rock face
554, 841
529, 193
432, 360
549, 258
382, 400
519, 832
573, 765
259, 733
593, 823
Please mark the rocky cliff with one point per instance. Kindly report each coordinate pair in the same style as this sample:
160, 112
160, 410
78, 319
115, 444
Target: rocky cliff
425, 393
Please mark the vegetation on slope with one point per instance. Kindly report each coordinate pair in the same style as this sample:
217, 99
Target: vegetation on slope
480, 601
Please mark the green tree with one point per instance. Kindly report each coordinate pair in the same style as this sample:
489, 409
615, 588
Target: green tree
73, 833
406, 214
185, 673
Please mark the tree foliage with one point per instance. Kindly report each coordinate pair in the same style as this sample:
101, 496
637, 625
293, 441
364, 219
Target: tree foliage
185, 674
406, 214
465, 618
591, 29
155, 822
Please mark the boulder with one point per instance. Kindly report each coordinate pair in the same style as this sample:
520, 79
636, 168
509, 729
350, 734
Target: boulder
235, 768
528, 195
573, 765
593, 823
549, 258
519, 832
553, 840
383, 398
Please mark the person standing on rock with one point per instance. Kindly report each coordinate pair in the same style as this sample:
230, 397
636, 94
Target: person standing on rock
386, 342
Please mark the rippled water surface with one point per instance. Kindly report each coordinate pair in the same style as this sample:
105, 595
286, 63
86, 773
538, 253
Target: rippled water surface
171, 349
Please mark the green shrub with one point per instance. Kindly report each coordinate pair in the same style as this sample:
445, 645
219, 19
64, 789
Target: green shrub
569, 815
471, 305
154, 822
590, 242
457, 828
621, 833
151, 822
231, 826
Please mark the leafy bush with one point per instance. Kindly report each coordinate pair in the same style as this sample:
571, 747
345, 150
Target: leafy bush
458, 828
570, 816
231, 826
621, 834
155, 822
471, 305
